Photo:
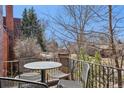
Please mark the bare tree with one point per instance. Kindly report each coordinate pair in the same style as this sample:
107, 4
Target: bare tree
113, 28
113, 47
74, 22
74, 27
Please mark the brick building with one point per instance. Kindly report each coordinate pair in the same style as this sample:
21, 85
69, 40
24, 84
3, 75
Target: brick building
12, 31
17, 22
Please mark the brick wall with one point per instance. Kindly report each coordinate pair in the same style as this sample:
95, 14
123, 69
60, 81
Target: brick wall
3, 47
6, 39
1, 42
10, 29
17, 24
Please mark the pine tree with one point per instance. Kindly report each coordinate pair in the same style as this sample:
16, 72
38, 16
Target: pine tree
32, 27
24, 24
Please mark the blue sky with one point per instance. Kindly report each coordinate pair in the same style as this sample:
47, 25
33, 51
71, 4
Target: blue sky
41, 11
51, 10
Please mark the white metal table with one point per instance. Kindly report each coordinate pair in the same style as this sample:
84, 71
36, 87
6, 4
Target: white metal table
43, 65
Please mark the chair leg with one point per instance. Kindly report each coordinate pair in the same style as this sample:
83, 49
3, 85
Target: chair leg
59, 86
69, 77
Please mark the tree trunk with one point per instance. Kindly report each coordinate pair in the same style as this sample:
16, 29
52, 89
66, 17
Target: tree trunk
112, 46
79, 46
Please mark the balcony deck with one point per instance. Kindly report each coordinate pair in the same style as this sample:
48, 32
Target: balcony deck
100, 76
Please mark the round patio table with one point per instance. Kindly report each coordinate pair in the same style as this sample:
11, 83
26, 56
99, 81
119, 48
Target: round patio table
42, 66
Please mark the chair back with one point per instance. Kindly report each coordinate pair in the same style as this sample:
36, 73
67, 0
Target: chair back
85, 71
6, 82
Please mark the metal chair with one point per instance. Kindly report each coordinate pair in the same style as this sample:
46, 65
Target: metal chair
33, 76
58, 74
76, 84
6, 82
28, 74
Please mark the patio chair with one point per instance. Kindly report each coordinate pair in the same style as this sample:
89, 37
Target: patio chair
6, 82
33, 76
61, 73
28, 74
58, 74
76, 84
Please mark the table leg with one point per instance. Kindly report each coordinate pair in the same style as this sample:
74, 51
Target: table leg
43, 76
